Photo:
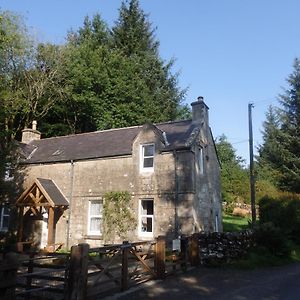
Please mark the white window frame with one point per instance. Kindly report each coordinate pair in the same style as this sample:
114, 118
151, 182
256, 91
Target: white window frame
142, 158
141, 215
4, 213
90, 216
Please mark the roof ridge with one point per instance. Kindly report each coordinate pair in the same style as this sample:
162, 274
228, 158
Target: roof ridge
172, 122
86, 133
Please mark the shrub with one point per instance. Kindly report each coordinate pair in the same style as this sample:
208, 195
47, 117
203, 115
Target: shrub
118, 218
283, 212
272, 239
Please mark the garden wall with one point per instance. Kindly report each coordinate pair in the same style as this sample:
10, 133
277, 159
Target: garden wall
218, 247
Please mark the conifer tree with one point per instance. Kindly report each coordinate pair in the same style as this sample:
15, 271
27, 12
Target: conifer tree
280, 151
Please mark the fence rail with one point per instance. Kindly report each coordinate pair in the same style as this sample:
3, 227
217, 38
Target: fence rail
87, 273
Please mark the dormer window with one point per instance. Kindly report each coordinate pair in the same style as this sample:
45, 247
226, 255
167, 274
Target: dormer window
147, 157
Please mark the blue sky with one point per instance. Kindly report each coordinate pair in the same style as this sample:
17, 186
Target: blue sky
231, 52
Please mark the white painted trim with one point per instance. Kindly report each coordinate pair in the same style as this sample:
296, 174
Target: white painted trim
142, 168
140, 232
90, 232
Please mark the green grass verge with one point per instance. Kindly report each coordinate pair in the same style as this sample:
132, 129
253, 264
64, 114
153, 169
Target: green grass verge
260, 257
234, 223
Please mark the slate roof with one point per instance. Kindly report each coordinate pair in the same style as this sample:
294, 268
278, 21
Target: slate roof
52, 194
106, 143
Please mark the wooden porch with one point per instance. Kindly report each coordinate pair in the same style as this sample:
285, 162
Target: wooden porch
43, 197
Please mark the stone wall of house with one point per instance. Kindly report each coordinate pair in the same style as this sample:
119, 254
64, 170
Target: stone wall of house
172, 186
82, 181
208, 204
217, 247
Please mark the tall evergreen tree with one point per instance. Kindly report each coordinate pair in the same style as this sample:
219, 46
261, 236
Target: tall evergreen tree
133, 32
280, 151
134, 36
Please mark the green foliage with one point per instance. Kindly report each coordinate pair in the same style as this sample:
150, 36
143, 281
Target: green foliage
283, 212
234, 177
272, 238
116, 78
279, 152
118, 219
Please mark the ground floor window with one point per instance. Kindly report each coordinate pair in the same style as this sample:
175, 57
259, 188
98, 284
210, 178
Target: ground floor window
146, 221
95, 217
4, 218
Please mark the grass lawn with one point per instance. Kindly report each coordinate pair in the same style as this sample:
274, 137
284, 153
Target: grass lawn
234, 223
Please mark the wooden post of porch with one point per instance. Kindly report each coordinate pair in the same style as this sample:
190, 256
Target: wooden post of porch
51, 228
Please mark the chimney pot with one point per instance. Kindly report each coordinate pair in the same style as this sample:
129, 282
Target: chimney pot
200, 99
34, 125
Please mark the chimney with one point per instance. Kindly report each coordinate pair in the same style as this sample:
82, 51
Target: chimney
200, 111
30, 134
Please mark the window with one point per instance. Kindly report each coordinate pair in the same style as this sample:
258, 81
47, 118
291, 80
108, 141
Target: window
201, 161
146, 217
95, 217
4, 218
147, 157
8, 175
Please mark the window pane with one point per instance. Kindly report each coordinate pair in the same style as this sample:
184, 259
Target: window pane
146, 224
95, 224
5, 222
147, 207
148, 162
149, 150
95, 207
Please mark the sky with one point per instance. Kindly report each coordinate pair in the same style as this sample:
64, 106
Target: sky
231, 52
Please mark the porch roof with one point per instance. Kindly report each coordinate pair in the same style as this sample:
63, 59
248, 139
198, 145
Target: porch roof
43, 192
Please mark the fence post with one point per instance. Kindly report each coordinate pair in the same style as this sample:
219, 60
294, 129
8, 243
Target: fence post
125, 250
194, 250
160, 257
78, 269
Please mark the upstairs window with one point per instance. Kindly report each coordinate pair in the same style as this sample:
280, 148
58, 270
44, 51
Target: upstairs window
147, 157
95, 217
146, 217
4, 218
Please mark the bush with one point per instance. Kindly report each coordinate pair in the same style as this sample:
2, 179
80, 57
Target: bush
272, 238
283, 212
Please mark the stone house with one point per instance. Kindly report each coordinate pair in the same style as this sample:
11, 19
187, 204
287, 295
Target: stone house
171, 171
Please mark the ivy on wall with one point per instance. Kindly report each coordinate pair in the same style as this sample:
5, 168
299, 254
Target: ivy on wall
118, 217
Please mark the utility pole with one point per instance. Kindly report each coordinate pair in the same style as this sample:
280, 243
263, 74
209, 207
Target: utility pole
252, 178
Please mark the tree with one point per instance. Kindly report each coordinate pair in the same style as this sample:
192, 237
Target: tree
114, 81
133, 33
234, 177
279, 152
134, 37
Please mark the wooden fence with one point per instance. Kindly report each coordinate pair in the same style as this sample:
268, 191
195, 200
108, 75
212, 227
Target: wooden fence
89, 273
